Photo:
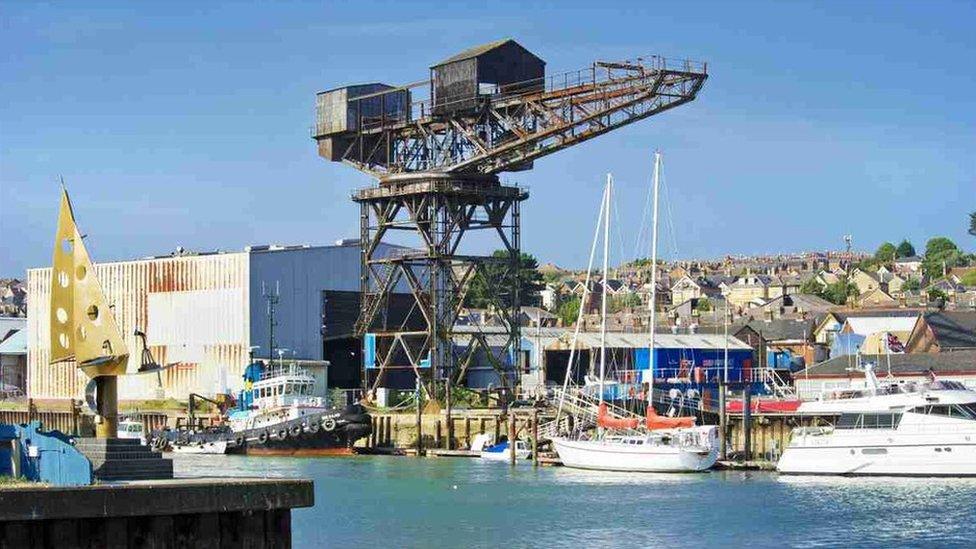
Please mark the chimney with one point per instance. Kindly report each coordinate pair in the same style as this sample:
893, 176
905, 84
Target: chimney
769, 315
693, 328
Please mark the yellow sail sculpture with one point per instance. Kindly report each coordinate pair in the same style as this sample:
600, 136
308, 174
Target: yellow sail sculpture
83, 327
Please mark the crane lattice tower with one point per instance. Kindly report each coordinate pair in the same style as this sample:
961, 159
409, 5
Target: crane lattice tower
436, 148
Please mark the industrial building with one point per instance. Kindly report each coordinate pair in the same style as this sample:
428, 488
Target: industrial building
207, 313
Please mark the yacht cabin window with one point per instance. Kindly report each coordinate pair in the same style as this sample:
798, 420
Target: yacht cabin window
869, 421
961, 411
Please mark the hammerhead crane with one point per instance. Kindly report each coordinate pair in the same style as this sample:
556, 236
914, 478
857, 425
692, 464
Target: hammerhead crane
436, 148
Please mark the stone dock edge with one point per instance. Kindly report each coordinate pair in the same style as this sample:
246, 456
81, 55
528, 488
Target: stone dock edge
154, 498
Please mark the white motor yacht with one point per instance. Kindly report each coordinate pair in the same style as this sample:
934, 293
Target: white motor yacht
907, 428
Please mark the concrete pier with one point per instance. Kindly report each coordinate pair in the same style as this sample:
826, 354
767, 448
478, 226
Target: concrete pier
164, 513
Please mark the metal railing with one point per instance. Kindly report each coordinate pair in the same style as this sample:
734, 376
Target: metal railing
584, 408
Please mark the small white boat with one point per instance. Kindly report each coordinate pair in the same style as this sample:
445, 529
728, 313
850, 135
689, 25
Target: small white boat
898, 429
503, 451
210, 447
132, 429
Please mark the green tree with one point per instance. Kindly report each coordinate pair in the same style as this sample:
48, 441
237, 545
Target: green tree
905, 249
624, 301
911, 285
940, 252
937, 295
703, 305
868, 264
491, 283
969, 279
886, 253
811, 286
838, 292
568, 310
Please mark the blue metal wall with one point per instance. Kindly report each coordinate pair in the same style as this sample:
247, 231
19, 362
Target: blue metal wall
302, 274
674, 363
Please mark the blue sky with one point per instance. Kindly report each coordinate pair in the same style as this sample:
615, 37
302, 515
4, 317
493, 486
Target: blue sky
177, 123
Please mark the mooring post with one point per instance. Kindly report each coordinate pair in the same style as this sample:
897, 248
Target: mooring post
467, 432
535, 438
75, 413
448, 420
420, 437
511, 438
723, 422
747, 421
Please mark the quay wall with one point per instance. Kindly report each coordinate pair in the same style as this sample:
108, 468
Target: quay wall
399, 430
172, 513
769, 433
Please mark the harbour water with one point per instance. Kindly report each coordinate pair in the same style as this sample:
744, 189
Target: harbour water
453, 502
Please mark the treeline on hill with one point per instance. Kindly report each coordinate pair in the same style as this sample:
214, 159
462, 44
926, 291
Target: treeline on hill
941, 254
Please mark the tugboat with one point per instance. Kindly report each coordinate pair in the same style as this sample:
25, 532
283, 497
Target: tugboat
277, 413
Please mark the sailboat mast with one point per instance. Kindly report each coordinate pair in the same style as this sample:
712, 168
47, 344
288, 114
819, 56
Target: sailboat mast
582, 307
606, 270
653, 302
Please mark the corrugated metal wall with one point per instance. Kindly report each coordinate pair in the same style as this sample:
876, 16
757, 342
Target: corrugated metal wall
205, 296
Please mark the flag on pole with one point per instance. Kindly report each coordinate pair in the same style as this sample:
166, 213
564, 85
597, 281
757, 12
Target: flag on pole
893, 345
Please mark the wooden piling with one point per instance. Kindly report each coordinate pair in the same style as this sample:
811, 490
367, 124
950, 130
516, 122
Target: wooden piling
511, 438
467, 432
437, 435
448, 419
535, 438
420, 436
389, 431
747, 422
723, 423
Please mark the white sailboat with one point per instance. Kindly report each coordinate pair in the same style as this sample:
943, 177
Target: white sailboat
633, 444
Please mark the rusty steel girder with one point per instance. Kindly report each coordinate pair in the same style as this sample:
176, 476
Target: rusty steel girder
507, 132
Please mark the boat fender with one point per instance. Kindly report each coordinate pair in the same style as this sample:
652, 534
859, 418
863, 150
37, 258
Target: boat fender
282, 434
314, 427
295, 430
329, 424
263, 437
239, 440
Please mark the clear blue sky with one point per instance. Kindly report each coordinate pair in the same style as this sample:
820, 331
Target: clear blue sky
179, 123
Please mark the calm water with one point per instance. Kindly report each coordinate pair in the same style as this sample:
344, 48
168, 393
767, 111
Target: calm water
409, 502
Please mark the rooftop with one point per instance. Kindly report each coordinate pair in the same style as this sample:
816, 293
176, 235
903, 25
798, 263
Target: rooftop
901, 364
474, 51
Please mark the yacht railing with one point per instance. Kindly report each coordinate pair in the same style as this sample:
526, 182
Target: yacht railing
584, 408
